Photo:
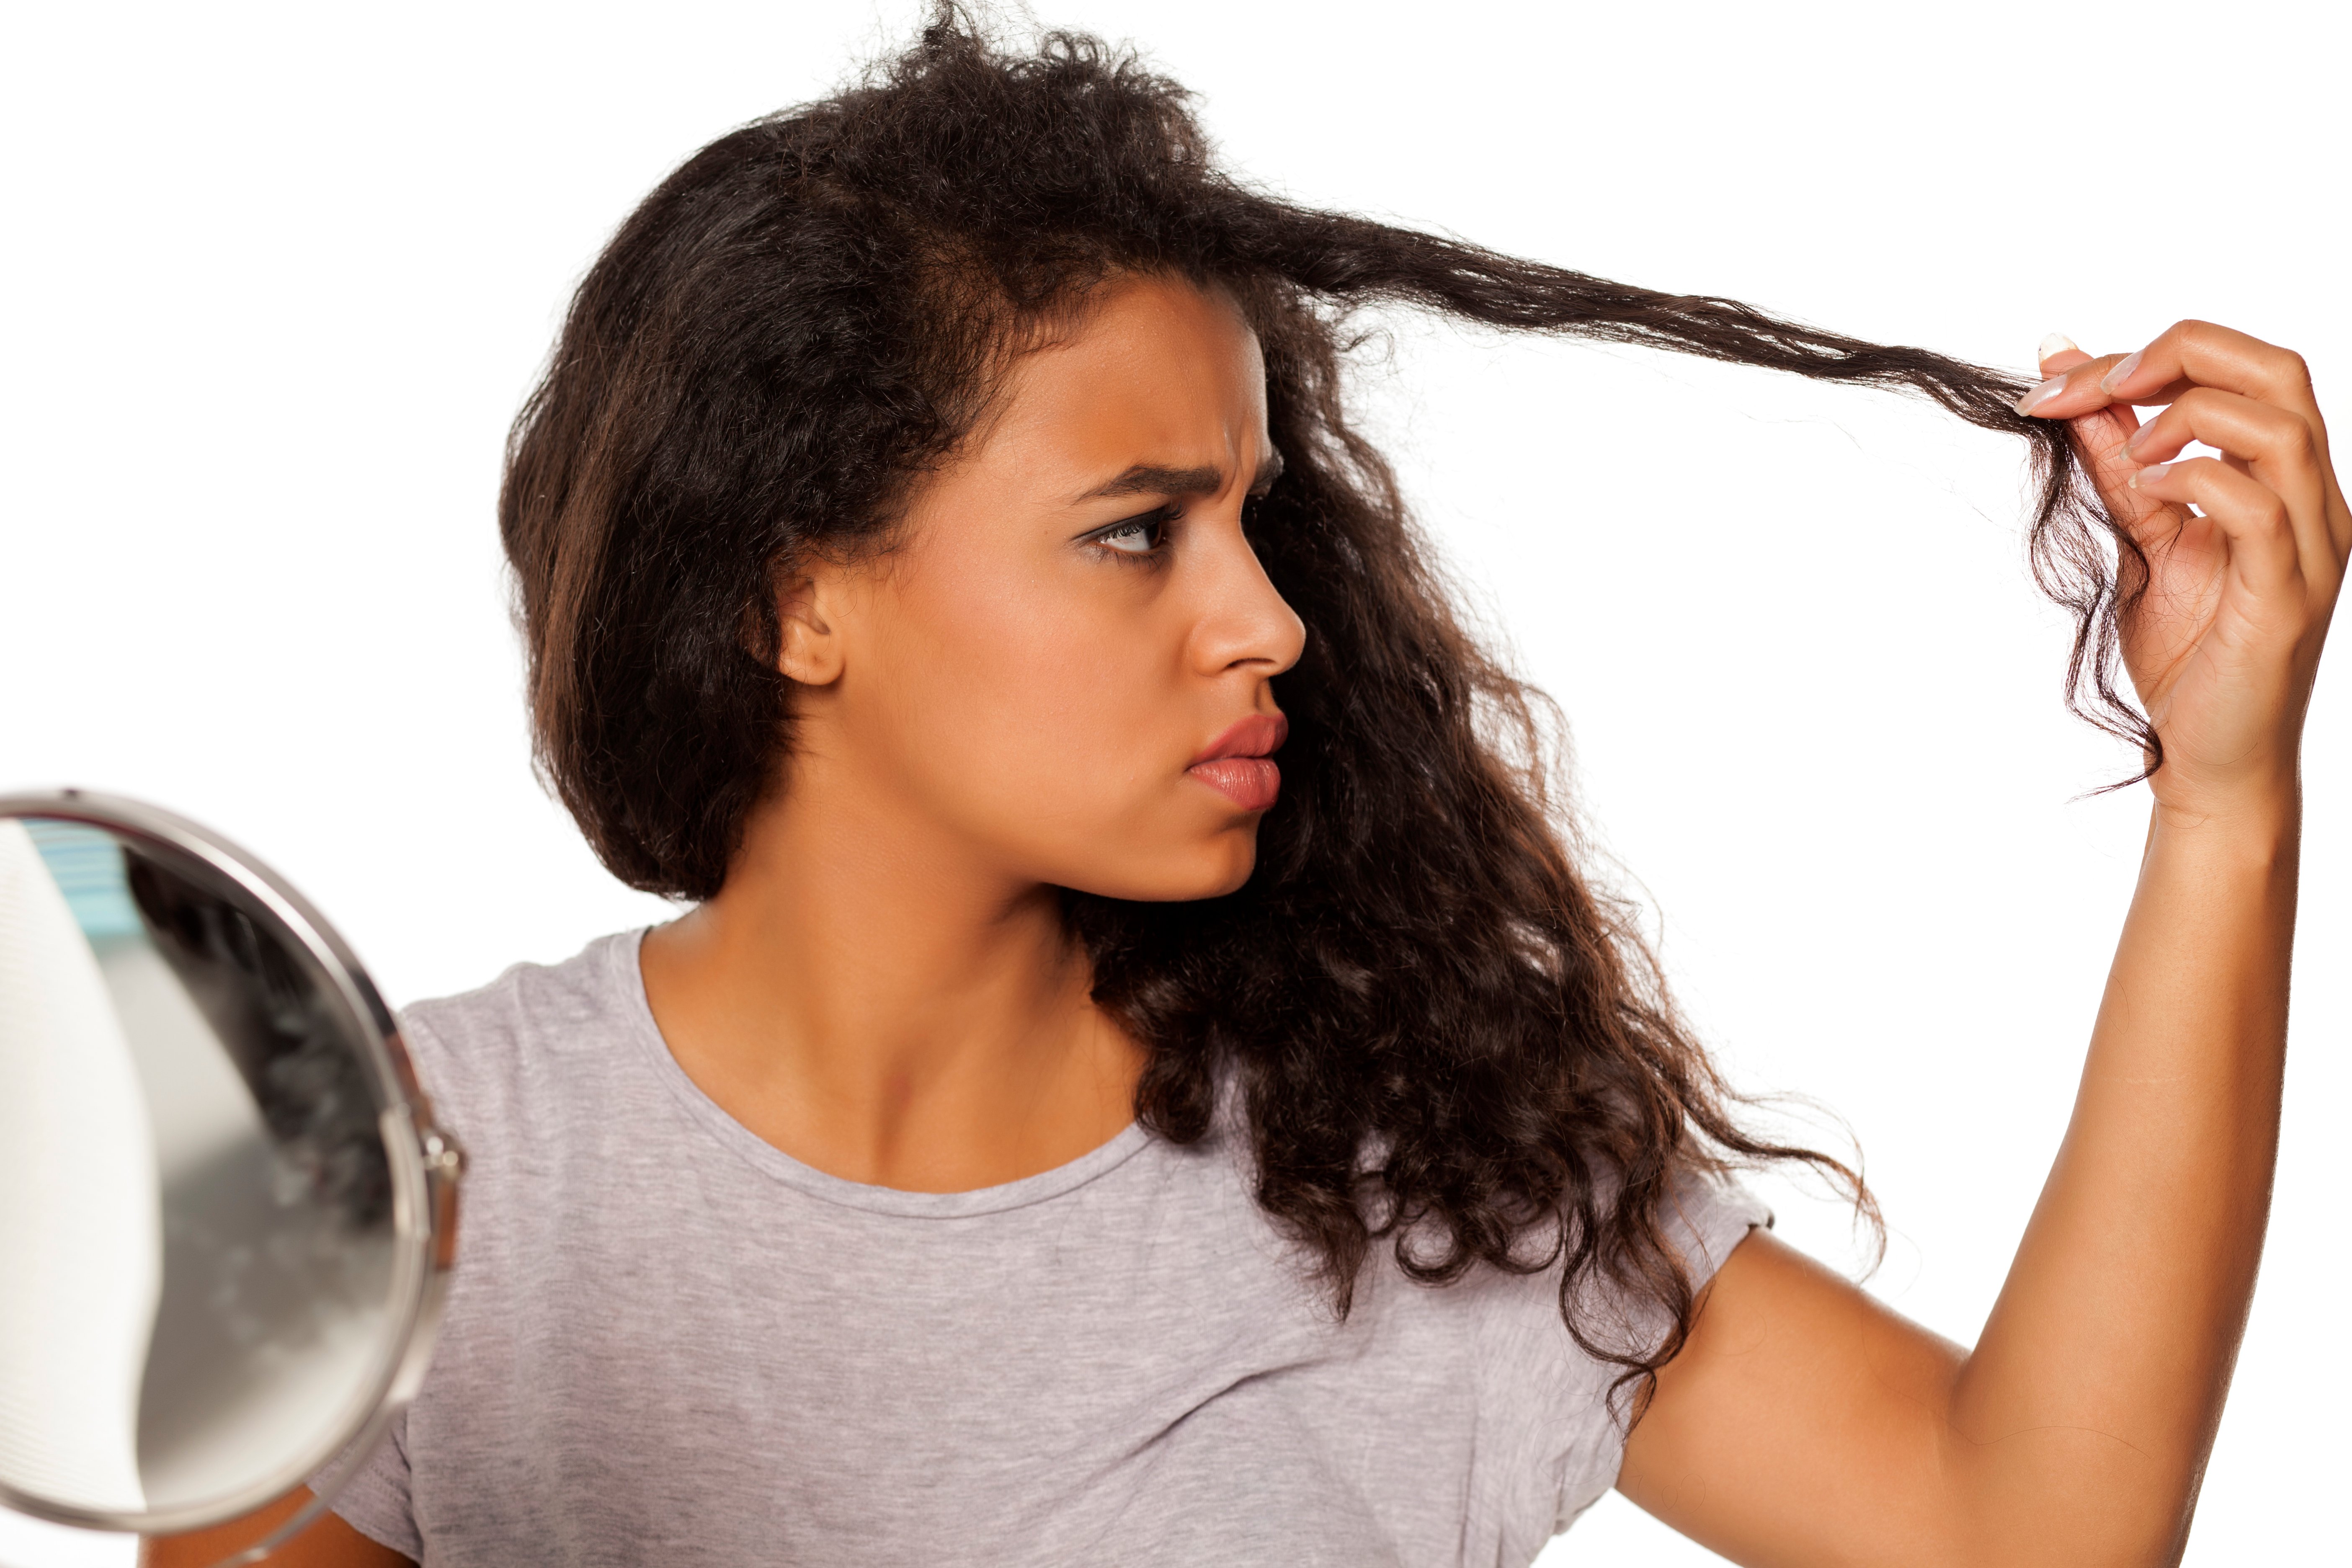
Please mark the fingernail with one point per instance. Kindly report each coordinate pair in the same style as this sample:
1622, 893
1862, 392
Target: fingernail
2041, 395
2132, 441
2121, 373
2153, 471
2055, 344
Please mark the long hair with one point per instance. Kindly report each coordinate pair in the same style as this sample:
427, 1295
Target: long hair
1447, 1039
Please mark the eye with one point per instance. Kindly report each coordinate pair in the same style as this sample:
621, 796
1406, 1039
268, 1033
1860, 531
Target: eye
1137, 535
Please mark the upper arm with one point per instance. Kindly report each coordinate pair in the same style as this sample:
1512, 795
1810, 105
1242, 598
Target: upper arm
326, 1542
1804, 1423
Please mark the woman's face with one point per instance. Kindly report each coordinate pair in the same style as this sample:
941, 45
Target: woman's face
1062, 667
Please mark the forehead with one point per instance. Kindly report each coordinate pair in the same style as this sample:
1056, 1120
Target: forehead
1156, 371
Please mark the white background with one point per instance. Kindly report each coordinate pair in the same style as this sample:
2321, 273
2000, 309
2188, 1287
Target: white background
275, 278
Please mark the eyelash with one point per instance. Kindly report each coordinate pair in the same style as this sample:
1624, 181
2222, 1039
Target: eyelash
1155, 521
1158, 522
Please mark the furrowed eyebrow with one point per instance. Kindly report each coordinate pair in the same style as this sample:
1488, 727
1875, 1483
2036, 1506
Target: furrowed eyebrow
1145, 479
1149, 480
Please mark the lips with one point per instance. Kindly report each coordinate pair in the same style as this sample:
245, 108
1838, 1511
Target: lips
1239, 764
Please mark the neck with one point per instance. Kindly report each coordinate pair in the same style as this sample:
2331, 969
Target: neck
865, 997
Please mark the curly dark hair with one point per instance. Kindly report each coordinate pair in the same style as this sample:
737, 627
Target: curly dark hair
1447, 1038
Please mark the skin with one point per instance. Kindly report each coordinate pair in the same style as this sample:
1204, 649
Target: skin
1004, 703
1007, 701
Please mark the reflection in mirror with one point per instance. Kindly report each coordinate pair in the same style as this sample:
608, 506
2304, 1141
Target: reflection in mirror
192, 1171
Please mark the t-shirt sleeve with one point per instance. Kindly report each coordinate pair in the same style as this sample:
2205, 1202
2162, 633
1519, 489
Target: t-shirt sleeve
1707, 1217
375, 1500
1710, 1218
378, 1501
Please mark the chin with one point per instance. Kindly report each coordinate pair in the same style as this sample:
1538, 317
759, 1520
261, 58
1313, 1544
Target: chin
1206, 871
1231, 882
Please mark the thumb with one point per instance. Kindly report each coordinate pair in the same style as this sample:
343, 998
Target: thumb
2099, 436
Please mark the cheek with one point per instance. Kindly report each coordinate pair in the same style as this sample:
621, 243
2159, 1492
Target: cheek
1020, 704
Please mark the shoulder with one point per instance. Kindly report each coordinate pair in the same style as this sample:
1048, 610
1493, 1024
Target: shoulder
528, 998
486, 1056
1702, 1219
1539, 1334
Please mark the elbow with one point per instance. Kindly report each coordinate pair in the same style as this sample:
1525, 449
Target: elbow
2068, 1498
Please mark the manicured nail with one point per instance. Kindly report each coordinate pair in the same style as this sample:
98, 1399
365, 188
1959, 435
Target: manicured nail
2041, 395
2154, 472
2121, 373
2056, 343
2132, 441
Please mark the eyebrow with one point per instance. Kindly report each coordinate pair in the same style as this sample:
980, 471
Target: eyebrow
1150, 480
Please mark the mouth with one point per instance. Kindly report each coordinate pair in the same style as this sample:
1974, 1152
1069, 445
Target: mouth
1239, 764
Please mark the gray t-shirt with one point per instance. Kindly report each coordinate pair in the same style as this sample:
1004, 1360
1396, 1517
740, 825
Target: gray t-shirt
669, 1343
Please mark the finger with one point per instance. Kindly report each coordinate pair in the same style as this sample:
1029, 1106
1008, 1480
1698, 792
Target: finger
2072, 391
2260, 441
2275, 440
2200, 354
2263, 546
2058, 354
2100, 438
2179, 361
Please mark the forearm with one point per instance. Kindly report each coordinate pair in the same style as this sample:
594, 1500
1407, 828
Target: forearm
1805, 1424
2079, 1425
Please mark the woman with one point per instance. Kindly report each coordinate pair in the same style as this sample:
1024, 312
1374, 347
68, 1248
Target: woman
1061, 1131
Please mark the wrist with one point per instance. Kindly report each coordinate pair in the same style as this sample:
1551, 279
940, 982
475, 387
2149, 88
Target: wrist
2260, 789
2259, 818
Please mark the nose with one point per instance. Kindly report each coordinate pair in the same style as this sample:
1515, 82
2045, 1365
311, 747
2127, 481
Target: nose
1243, 622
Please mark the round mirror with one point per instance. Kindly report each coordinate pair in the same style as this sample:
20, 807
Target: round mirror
225, 1217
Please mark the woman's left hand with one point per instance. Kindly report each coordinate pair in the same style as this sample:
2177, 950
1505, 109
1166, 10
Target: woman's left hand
2224, 646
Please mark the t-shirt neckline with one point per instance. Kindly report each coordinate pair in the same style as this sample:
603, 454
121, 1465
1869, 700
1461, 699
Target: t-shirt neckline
626, 976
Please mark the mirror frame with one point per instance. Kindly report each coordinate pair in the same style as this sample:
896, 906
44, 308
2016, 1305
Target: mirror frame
425, 1162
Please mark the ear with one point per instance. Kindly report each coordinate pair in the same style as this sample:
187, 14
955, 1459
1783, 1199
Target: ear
810, 649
